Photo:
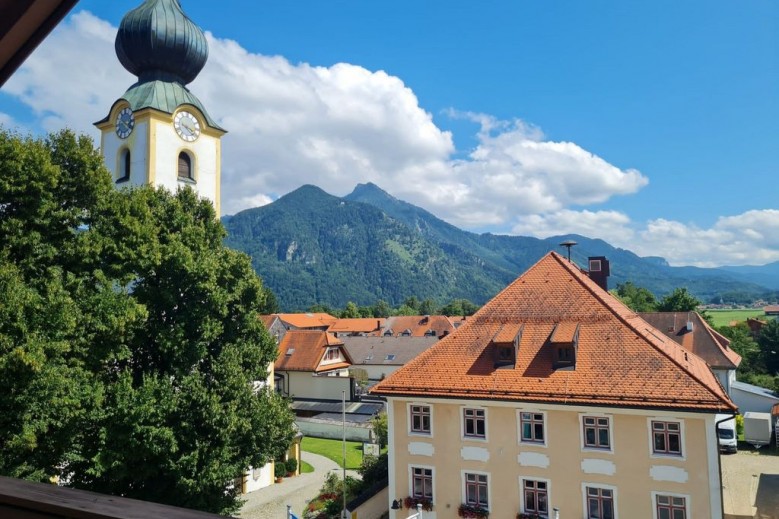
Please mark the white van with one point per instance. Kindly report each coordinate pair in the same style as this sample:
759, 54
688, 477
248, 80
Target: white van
726, 433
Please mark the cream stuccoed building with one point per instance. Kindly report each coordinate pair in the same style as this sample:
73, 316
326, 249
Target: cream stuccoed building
158, 132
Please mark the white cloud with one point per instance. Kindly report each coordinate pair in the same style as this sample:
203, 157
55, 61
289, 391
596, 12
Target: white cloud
73, 78
751, 238
6, 121
611, 226
293, 124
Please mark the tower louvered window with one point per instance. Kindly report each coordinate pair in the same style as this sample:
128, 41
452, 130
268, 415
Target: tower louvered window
185, 166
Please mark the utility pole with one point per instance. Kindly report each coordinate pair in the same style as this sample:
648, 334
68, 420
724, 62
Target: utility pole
343, 422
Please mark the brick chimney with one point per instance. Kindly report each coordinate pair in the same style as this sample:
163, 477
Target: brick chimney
598, 270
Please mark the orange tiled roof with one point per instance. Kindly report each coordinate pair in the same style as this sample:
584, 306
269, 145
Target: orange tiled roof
418, 325
267, 320
620, 359
357, 325
302, 350
303, 321
702, 340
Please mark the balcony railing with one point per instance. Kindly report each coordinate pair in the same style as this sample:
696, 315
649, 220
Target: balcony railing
27, 500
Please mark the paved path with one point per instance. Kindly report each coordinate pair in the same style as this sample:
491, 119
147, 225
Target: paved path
750, 485
271, 502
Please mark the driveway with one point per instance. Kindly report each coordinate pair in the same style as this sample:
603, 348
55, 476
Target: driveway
271, 502
750, 485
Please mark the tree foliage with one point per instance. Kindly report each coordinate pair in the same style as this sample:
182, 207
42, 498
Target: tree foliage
637, 298
379, 424
680, 300
129, 338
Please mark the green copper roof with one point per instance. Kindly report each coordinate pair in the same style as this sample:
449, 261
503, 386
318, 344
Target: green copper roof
165, 97
158, 41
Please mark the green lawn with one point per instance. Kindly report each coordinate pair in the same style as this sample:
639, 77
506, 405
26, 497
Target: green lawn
305, 467
333, 449
725, 317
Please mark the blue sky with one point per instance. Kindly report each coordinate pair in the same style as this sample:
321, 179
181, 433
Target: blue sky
652, 125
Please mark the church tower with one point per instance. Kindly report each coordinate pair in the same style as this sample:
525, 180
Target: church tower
158, 132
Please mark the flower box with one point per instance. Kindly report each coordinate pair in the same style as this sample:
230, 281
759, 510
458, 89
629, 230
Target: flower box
472, 512
412, 502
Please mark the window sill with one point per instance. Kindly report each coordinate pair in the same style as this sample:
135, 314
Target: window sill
479, 439
597, 450
525, 444
419, 434
661, 456
187, 181
122, 180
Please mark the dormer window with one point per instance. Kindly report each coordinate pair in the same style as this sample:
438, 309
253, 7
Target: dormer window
595, 265
431, 333
564, 341
406, 333
388, 333
505, 354
564, 356
505, 344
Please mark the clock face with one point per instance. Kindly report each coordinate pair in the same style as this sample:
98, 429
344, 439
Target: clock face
125, 122
186, 126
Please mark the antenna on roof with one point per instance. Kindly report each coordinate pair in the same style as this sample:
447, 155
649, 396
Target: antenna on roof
568, 244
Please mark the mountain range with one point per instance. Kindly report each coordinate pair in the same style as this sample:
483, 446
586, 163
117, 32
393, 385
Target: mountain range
312, 247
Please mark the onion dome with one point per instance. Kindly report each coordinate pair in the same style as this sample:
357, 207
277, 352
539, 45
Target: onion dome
157, 41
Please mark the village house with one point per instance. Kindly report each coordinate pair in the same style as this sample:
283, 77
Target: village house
693, 333
555, 396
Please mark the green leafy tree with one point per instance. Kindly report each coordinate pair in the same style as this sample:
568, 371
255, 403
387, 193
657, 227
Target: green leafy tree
742, 342
130, 350
405, 310
413, 303
350, 311
270, 304
769, 347
382, 309
379, 423
637, 298
428, 307
459, 307
680, 300
321, 309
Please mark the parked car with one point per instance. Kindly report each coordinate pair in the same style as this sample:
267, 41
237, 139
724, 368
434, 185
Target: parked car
726, 433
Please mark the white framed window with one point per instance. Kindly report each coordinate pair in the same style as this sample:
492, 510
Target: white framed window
420, 419
474, 422
476, 489
600, 501
666, 505
535, 496
596, 431
667, 438
421, 482
532, 427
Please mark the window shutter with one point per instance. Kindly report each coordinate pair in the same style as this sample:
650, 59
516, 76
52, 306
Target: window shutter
185, 166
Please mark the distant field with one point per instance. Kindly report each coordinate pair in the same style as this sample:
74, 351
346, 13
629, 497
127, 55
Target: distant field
725, 317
